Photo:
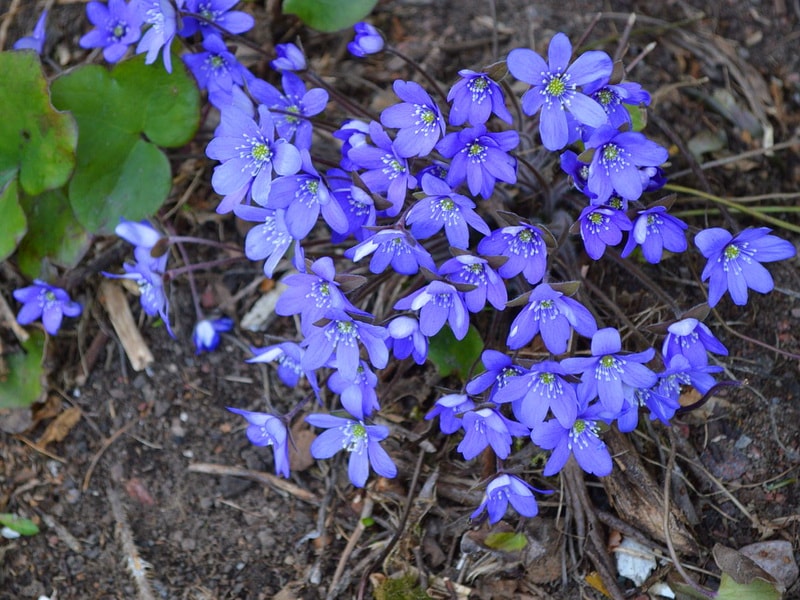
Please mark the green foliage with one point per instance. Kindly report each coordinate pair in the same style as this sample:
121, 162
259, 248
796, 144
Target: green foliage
329, 15
123, 115
452, 356
18, 524
13, 224
506, 541
22, 384
400, 588
757, 589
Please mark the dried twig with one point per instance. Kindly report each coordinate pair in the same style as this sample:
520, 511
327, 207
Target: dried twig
269, 479
137, 567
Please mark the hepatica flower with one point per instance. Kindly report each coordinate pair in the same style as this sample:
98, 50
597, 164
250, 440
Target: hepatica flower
216, 70
368, 40
473, 270
117, 26
555, 87
206, 333
602, 226
50, 303
418, 119
162, 18
217, 12
357, 438
358, 397
474, 98
487, 427
614, 97
267, 430
734, 262
405, 339
269, 239
35, 41
505, 489
524, 247
655, 231
500, 371
438, 303
393, 247
692, 339
290, 58
288, 356
449, 409
543, 388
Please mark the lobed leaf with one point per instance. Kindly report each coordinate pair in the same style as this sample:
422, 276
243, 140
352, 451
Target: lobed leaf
329, 15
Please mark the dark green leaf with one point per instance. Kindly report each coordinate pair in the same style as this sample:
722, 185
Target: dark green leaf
329, 15
452, 356
13, 224
22, 385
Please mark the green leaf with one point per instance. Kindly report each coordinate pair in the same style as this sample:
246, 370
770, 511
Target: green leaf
506, 541
329, 15
123, 115
757, 589
13, 224
452, 356
22, 385
54, 235
18, 524
36, 141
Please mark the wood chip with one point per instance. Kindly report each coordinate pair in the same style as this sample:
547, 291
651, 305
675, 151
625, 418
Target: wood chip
113, 300
59, 428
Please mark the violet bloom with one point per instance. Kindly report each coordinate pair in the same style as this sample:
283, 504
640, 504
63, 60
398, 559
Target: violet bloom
655, 231
500, 371
405, 339
357, 438
617, 159
35, 41
117, 26
474, 98
480, 157
290, 58
356, 204
555, 87
693, 339
680, 372
661, 407
449, 409
368, 40
218, 16
614, 97
443, 208
393, 247
216, 70
473, 270
502, 490
386, 171
524, 247
541, 389
353, 133
268, 430
552, 314
270, 239
487, 427
577, 170
438, 303
292, 110
248, 155
163, 20
418, 119
358, 397
50, 303
206, 333
606, 372
734, 262
602, 226
288, 356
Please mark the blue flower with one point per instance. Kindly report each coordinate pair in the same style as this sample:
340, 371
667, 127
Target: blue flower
541, 389
50, 303
116, 27
734, 262
680, 372
524, 247
487, 427
357, 205
368, 40
449, 409
405, 339
216, 70
656, 230
502, 490
602, 226
288, 356
444, 208
270, 239
474, 98
418, 118
577, 170
35, 42
219, 13
268, 430
614, 97
555, 88
554, 315
206, 333
480, 157
248, 155
693, 339
438, 303
500, 371
473, 270
162, 17
358, 397
290, 58
357, 438
393, 247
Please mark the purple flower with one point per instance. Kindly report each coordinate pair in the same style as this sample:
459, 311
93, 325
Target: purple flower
554, 315
217, 12
474, 98
270, 239
480, 158
487, 427
473, 270
206, 333
368, 40
418, 118
268, 430
602, 226
357, 438
577, 170
617, 159
444, 208
613, 99
290, 58
502, 490
661, 407
47, 302
35, 42
555, 87
357, 205
353, 133
524, 247
655, 231
288, 356
606, 371
734, 262
449, 410
291, 111
162, 17
692, 339
393, 247
248, 155
405, 339
543, 388
438, 303
216, 70
358, 397
116, 27
500, 371
679, 373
